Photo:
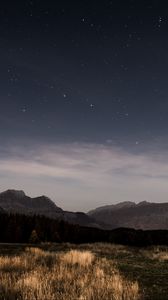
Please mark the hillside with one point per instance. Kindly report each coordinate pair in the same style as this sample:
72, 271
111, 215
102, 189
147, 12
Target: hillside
144, 215
13, 201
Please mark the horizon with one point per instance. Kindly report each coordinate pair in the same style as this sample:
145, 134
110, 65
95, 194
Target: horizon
94, 208
84, 101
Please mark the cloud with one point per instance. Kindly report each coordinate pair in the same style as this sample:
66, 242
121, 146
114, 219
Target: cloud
92, 173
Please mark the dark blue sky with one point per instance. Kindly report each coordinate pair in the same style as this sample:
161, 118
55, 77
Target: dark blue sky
87, 72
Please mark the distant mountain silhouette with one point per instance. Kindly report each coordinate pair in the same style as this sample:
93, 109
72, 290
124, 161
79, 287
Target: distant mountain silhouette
144, 215
13, 201
112, 207
17, 201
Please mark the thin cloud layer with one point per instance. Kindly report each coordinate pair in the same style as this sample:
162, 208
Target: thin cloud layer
84, 175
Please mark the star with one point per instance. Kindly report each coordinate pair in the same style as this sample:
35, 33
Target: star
160, 19
92, 105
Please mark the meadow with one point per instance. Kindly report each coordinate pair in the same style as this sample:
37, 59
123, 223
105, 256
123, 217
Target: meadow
85, 272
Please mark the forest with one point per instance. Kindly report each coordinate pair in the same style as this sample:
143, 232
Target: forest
17, 228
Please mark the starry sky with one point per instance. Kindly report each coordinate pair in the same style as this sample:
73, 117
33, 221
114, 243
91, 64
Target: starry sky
84, 100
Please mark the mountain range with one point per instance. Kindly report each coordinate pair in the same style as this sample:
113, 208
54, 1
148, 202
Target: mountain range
13, 201
144, 215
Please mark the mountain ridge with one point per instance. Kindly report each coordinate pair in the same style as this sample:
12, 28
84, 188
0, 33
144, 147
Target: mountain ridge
14, 201
143, 215
113, 206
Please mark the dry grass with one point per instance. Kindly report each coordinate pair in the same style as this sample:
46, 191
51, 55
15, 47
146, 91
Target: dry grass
82, 258
162, 256
41, 275
157, 254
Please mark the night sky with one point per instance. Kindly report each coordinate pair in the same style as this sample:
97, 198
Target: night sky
84, 100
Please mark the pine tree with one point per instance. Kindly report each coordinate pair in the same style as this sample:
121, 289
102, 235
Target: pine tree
34, 239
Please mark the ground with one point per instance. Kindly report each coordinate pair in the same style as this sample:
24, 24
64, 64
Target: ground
89, 271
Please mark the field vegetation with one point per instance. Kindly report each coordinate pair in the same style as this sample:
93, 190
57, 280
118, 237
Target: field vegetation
84, 272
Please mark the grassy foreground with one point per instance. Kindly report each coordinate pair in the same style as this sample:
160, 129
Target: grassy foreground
84, 272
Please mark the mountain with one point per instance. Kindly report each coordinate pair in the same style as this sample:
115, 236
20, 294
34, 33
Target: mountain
144, 215
112, 207
13, 201
17, 201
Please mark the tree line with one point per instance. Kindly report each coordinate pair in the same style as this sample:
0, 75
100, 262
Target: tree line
17, 228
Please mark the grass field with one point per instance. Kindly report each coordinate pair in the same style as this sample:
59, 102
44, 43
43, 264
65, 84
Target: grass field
84, 272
